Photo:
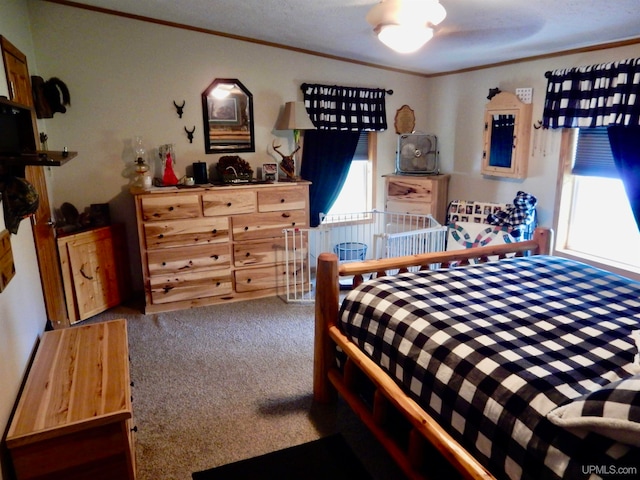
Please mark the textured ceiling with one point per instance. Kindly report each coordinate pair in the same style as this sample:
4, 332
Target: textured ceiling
474, 33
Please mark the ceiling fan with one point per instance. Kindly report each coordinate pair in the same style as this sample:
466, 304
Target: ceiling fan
405, 25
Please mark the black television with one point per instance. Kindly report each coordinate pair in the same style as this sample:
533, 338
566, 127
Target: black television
17, 132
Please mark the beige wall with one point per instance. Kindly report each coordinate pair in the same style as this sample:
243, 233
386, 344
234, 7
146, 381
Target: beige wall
22, 315
124, 75
456, 111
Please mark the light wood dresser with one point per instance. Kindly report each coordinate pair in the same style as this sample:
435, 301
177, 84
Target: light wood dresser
207, 245
74, 417
417, 194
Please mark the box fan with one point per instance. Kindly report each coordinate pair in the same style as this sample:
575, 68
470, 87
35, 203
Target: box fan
417, 154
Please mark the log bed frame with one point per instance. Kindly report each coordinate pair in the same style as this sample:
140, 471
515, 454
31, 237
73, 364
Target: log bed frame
329, 380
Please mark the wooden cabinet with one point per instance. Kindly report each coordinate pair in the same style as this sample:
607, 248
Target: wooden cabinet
507, 130
417, 194
74, 417
204, 246
94, 270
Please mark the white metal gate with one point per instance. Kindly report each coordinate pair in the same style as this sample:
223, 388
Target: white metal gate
356, 237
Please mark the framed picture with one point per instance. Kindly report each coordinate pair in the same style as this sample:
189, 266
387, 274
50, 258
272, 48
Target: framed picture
224, 111
269, 171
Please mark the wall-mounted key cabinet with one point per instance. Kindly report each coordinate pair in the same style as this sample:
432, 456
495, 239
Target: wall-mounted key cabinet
202, 246
507, 130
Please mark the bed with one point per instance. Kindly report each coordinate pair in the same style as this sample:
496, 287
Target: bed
506, 361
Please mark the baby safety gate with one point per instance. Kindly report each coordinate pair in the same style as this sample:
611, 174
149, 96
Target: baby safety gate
356, 237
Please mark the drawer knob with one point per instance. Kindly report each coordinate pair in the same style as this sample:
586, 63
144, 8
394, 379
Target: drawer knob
248, 280
214, 231
135, 428
215, 257
171, 209
246, 228
161, 235
217, 284
282, 200
229, 204
286, 215
247, 254
164, 264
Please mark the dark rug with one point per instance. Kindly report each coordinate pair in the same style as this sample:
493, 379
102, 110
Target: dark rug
329, 458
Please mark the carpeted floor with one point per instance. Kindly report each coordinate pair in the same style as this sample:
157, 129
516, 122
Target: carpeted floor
216, 385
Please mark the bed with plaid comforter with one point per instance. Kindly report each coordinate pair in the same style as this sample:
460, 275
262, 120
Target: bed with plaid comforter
513, 358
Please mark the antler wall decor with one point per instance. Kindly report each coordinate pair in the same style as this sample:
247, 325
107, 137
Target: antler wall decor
190, 133
179, 107
287, 164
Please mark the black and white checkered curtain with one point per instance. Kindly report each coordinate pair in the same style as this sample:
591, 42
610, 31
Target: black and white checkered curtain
333, 107
593, 96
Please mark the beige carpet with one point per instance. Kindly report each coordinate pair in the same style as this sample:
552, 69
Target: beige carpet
214, 385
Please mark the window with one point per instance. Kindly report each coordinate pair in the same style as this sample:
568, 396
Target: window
594, 221
357, 193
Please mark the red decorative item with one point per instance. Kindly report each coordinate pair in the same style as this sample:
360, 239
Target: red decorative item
169, 177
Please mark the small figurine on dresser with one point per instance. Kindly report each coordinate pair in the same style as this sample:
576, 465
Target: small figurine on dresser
167, 155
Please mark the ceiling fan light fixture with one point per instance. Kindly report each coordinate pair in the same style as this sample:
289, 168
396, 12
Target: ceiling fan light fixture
406, 25
404, 38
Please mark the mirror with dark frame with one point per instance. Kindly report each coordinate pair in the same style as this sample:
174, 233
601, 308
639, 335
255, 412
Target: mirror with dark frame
227, 110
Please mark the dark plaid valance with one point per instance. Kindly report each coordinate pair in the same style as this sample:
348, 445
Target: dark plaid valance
332, 107
593, 96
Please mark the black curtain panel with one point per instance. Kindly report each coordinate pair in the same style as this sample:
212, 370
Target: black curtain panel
326, 159
625, 147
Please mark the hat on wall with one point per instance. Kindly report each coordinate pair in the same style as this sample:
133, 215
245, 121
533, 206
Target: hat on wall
49, 97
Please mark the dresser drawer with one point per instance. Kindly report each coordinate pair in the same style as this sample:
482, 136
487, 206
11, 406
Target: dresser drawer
418, 208
266, 225
259, 253
179, 233
228, 202
169, 207
260, 278
189, 286
410, 189
189, 259
281, 199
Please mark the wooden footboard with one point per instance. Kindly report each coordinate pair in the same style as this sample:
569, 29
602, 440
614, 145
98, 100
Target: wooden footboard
329, 380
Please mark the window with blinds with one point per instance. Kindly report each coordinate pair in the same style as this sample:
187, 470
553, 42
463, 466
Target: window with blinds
593, 154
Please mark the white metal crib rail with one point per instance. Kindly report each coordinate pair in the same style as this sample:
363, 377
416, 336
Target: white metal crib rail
355, 237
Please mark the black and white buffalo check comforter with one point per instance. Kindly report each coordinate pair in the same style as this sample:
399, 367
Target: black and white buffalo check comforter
489, 350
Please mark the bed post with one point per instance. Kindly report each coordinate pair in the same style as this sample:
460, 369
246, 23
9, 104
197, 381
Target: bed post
326, 313
544, 238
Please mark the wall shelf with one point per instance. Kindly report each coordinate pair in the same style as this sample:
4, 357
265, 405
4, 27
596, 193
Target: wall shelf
43, 158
